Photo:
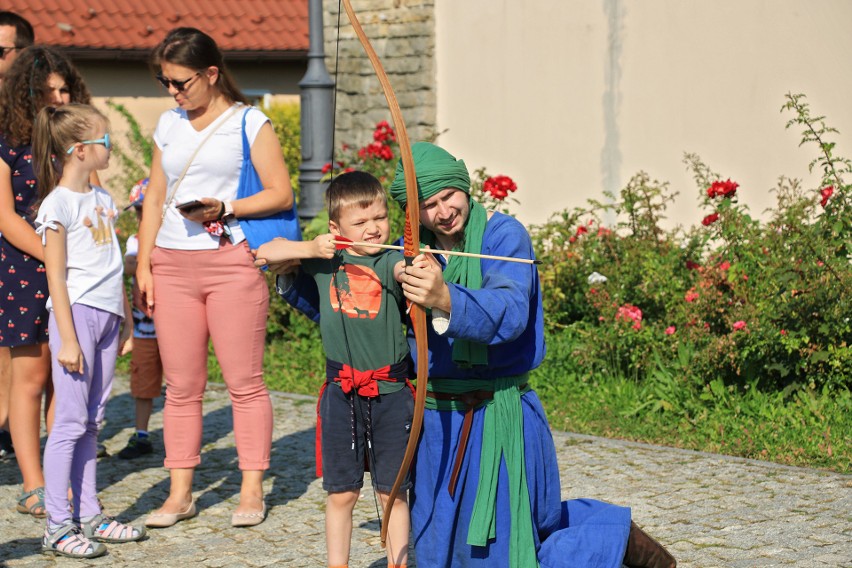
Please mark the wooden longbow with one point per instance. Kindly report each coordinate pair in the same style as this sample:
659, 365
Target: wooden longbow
412, 248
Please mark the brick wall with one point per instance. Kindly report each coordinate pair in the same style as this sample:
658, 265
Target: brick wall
403, 34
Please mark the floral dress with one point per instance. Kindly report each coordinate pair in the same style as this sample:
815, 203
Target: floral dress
23, 281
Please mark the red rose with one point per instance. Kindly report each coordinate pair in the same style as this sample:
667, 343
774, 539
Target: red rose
726, 188
326, 168
376, 150
499, 186
671, 330
738, 325
710, 219
385, 152
384, 132
692, 265
826, 193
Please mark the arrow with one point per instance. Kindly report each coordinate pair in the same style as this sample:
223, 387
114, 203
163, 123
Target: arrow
342, 243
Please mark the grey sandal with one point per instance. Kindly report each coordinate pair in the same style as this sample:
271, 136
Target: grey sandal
102, 528
36, 509
69, 540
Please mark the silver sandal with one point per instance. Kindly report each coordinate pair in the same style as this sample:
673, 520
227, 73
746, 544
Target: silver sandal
69, 540
103, 528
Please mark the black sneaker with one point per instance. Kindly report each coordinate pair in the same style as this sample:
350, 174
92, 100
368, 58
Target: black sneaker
6, 448
136, 446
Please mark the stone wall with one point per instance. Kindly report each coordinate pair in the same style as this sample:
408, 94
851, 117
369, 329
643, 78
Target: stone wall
403, 34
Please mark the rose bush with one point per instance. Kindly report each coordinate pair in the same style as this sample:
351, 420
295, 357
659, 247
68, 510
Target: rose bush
754, 301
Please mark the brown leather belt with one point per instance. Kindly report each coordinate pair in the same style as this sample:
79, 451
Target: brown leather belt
471, 400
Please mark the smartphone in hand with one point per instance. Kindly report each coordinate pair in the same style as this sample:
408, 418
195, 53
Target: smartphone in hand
189, 206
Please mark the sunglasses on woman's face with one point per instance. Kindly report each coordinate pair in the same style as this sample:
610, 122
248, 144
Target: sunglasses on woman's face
5, 50
179, 86
105, 141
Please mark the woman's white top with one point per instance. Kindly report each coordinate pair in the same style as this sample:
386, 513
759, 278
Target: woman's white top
214, 172
95, 268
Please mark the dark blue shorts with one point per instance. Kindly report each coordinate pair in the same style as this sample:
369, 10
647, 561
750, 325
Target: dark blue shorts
389, 418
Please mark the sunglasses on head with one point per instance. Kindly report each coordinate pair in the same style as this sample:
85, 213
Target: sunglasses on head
179, 86
105, 141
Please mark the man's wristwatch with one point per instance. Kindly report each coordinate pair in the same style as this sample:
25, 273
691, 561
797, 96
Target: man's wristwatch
227, 211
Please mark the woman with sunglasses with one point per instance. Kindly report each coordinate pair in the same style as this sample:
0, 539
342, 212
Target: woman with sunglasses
39, 77
195, 269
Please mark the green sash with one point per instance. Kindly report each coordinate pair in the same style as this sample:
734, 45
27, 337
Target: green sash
502, 436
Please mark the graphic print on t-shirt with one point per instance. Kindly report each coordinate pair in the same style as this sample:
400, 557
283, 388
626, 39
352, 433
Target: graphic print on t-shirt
102, 233
359, 292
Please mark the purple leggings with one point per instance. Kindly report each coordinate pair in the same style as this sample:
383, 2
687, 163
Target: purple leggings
71, 451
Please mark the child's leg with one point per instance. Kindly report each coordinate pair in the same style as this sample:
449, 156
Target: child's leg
398, 529
391, 422
146, 378
105, 352
338, 525
70, 453
144, 408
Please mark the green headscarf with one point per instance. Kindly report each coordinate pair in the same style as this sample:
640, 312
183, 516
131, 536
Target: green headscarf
437, 170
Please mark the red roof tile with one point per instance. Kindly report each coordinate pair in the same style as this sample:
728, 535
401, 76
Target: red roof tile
236, 25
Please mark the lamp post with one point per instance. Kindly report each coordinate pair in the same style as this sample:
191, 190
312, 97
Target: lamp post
317, 118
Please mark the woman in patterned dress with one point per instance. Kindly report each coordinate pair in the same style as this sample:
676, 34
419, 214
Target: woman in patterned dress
40, 76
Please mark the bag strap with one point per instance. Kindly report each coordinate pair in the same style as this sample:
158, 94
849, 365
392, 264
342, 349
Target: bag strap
246, 145
192, 158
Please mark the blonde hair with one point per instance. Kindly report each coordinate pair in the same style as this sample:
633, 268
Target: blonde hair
55, 130
353, 188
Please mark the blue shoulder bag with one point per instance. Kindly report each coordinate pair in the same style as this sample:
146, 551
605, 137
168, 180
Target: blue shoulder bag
263, 229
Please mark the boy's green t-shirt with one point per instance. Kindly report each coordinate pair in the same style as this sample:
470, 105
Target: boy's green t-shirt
361, 310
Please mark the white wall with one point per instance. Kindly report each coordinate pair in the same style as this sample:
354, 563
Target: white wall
573, 96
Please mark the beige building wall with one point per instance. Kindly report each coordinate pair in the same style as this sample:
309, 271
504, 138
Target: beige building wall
571, 97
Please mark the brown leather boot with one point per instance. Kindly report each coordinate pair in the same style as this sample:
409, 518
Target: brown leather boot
645, 552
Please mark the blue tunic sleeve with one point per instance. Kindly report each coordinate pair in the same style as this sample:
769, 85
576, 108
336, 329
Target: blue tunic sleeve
505, 313
300, 291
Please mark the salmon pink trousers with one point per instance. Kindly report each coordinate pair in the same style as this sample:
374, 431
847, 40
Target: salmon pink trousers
215, 295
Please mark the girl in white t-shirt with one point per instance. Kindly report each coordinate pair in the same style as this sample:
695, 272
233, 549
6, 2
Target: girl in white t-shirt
87, 304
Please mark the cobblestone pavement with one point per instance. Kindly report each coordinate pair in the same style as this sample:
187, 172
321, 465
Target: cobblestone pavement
710, 510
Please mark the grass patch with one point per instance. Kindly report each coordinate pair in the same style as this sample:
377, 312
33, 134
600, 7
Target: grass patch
805, 427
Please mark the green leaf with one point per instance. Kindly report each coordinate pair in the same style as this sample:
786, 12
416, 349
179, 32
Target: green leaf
818, 356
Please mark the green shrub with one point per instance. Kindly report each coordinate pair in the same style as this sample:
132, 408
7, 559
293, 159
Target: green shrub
285, 119
761, 304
